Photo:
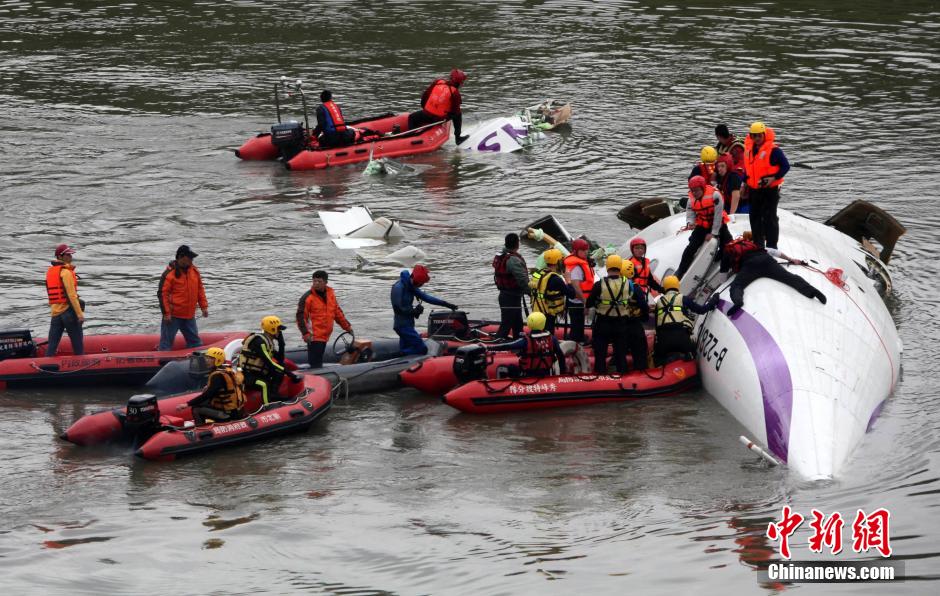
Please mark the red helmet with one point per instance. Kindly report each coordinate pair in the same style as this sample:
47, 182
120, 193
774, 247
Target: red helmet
696, 182
637, 242
726, 159
580, 244
457, 76
420, 276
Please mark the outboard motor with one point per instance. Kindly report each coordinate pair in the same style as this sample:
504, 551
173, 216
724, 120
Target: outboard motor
16, 343
142, 418
470, 363
448, 325
289, 138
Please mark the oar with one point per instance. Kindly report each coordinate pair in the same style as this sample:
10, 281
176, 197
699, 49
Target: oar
799, 164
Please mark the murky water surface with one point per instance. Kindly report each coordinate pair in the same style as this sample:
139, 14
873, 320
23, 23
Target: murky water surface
118, 121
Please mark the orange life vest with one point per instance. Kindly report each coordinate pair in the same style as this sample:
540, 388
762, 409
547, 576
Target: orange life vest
587, 284
439, 101
736, 250
641, 273
757, 163
705, 208
335, 121
539, 355
55, 289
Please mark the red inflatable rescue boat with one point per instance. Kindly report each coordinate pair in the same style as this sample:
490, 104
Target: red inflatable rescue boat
531, 393
436, 375
291, 142
164, 430
108, 359
110, 426
274, 419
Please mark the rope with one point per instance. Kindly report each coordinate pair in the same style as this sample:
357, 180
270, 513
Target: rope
342, 385
845, 290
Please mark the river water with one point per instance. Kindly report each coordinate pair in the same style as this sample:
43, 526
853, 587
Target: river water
118, 120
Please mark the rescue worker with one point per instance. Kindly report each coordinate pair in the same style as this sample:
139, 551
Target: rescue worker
65, 307
441, 101
262, 363
550, 289
737, 158
404, 291
224, 397
317, 310
331, 130
750, 261
581, 280
725, 139
539, 349
642, 274
179, 292
706, 167
706, 217
511, 276
728, 184
673, 327
621, 309
765, 166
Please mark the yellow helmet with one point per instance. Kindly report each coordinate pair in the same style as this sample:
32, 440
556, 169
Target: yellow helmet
614, 262
216, 354
757, 128
670, 282
552, 256
271, 325
628, 269
536, 321
709, 154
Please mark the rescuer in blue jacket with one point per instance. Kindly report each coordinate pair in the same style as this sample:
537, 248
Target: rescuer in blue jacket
405, 290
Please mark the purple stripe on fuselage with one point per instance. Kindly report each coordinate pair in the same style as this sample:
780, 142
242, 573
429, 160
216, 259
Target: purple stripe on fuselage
775, 383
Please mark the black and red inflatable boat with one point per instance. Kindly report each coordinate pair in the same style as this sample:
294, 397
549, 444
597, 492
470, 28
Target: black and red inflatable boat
108, 359
532, 393
163, 429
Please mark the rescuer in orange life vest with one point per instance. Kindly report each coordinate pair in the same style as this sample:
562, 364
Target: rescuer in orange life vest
706, 217
538, 349
66, 308
765, 166
706, 167
441, 101
581, 280
331, 130
642, 274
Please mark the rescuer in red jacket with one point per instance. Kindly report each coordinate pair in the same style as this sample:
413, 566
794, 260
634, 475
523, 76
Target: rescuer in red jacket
441, 101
